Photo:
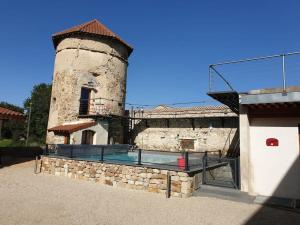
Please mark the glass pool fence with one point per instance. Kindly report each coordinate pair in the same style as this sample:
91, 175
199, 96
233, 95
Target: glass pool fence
126, 154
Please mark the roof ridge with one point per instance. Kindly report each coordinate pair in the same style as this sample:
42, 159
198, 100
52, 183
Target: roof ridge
101, 24
87, 23
191, 108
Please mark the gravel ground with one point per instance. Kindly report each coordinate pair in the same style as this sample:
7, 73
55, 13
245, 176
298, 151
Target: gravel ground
26, 198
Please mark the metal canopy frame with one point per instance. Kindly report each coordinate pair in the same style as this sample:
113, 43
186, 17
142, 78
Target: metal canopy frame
283, 55
231, 98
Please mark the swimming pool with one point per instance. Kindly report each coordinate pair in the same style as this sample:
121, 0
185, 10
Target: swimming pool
147, 157
123, 154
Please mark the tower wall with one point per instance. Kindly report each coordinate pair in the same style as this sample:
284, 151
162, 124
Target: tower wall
99, 64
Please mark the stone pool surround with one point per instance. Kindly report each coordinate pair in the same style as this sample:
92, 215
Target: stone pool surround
132, 177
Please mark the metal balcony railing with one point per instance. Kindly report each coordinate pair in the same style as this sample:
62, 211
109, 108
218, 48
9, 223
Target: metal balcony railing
99, 106
275, 71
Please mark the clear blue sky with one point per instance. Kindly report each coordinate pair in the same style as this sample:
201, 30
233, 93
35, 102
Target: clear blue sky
174, 41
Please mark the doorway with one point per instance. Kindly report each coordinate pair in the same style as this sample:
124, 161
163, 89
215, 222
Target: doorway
87, 137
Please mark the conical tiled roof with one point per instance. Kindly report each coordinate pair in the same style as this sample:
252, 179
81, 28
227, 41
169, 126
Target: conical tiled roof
93, 27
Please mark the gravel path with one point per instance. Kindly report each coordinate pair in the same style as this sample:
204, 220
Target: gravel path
26, 198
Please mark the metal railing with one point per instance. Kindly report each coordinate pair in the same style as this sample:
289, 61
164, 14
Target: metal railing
216, 170
225, 174
99, 106
284, 66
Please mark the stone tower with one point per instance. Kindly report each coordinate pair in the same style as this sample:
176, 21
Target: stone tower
89, 86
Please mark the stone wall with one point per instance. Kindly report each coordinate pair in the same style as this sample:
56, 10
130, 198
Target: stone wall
208, 133
132, 177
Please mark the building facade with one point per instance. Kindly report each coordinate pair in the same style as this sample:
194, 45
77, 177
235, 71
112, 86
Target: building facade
201, 128
89, 86
270, 143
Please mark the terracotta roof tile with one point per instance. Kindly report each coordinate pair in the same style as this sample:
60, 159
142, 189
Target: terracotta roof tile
70, 128
10, 114
92, 27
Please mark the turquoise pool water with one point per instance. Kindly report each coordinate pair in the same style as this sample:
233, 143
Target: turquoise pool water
150, 158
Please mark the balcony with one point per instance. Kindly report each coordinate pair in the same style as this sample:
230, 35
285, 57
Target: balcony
101, 107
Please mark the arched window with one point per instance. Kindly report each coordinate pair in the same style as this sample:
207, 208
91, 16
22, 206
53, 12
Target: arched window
87, 137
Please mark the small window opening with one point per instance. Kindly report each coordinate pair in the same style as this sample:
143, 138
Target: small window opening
84, 106
187, 144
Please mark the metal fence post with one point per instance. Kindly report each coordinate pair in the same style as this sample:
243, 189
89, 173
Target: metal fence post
220, 156
238, 173
36, 165
283, 73
204, 168
71, 153
102, 154
186, 161
168, 191
139, 156
46, 150
209, 79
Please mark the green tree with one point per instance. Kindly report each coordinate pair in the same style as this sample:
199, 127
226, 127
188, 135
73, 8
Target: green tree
40, 104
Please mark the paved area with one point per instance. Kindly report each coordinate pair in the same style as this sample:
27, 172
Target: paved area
43, 199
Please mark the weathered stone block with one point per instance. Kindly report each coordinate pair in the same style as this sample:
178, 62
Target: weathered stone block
149, 175
153, 190
182, 174
109, 182
143, 175
130, 182
175, 178
155, 181
156, 171
159, 176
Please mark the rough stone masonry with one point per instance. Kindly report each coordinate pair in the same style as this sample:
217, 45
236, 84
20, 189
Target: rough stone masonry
92, 57
132, 177
207, 128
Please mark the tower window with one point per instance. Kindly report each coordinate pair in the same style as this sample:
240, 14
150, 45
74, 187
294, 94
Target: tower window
84, 106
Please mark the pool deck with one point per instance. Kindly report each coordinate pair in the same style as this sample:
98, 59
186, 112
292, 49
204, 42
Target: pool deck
32, 199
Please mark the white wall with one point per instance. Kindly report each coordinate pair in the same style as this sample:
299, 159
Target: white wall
100, 137
275, 171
